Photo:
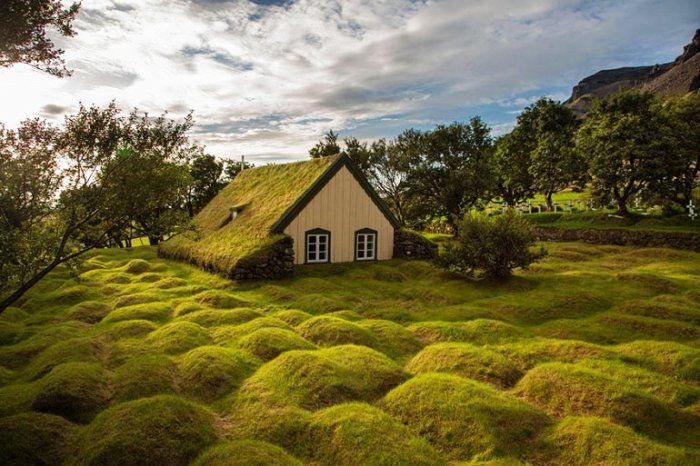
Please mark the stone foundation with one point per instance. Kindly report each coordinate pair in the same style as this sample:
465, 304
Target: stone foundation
274, 264
657, 239
411, 245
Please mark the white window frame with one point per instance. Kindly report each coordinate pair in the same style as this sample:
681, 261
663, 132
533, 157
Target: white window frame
314, 239
362, 240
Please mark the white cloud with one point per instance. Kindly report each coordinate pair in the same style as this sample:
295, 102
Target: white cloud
267, 81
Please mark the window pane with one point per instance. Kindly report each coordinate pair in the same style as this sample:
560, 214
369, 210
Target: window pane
322, 239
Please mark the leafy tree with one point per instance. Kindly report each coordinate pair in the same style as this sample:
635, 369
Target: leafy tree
628, 144
359, 153
491, 247
62, 191
512, 162
233, 167
450, 167
205, 172
545, 131
387, 169
23, 33
326, 147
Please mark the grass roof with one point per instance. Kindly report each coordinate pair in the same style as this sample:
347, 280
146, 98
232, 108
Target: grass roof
260, 196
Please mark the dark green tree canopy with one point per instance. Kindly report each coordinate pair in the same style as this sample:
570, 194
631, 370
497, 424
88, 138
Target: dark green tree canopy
23, 33
326, 147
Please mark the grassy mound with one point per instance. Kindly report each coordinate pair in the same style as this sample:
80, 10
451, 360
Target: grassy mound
219, 300
210, 372
293, 317
144, 376
18, 355
72, 350
149, 431
346, 314
6, 375
587, 440
478, 331
36, 439
466, 360
136, 298
76, 391
331, 331
315, 379
464, 418
268, 343
674, 359
528, 353
11, 332
229, 334
89, 312
628, 328
246, 453
137, 267
156, 312
394, 339
217, 317
356, 433
178, 337
570, 390
128, 329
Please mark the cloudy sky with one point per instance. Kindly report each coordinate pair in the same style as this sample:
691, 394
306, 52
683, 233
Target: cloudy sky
266, 78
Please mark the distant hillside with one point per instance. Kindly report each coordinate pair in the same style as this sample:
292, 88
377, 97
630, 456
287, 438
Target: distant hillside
666, 80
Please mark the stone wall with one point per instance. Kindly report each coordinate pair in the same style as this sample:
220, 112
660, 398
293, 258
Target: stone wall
273, 263
411, 245
677, 240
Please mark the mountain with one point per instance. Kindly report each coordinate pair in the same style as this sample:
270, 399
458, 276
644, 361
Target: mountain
666, 80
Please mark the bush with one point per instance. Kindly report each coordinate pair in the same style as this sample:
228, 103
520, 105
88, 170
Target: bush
491, 246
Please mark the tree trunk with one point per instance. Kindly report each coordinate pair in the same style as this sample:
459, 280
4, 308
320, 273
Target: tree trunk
548, 200
19, 292
622, 206
153, 240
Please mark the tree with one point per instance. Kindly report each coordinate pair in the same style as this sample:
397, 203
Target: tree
628, 144
450, 167
359, 153
233, 167
387, 170
62, 191
512, 161
23, 33
491, 247
544, 138
326, 147
205, 171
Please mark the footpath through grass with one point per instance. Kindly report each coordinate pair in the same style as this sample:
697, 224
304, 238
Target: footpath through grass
590, 357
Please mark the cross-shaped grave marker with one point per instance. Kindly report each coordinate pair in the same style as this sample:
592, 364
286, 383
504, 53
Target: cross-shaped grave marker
691, 210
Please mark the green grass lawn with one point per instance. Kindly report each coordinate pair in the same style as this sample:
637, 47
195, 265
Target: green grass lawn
590, 357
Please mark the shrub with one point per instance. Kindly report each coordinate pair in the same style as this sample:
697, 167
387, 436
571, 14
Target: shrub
357, 433
36, 439
246, 453
491, 246
161, 430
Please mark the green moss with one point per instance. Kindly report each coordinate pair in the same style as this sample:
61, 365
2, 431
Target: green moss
178, 337
571, 390
89, 312
72, 350
6, 375
75, 390
137, 267
352, 316
17, 355
526, 354
670, 358
246, 453
217, 317
16, 398
156, 312
144, 376
220, 300
11, 332
331, 331
356, 433
210, 372
268, 343
229, 334
13, 314
465, 419
315, 379
128, 329
589, 440
478, 331
36, 439
466, 360
293, 317
150, 431
394, 340
135, 298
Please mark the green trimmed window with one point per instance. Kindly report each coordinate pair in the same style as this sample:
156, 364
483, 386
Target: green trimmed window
318, 246
366, 245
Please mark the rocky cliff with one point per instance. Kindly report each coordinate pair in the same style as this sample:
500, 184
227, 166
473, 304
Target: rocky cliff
666, 80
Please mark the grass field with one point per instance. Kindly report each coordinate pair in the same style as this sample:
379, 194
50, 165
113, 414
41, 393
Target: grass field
590, 357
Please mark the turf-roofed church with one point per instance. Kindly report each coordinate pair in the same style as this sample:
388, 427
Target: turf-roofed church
273, 217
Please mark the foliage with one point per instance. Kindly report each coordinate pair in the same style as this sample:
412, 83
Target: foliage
512, 161
491, 247
23, 33
205, 172
326, 147
628, 144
